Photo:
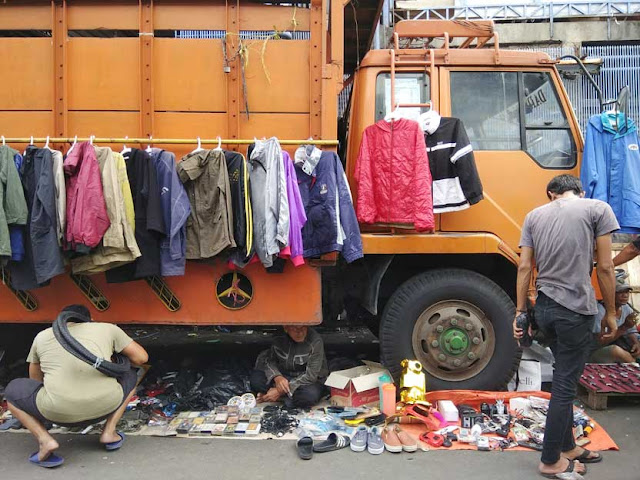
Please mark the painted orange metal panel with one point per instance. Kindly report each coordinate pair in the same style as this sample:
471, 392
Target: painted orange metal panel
189, 16
20, 124
27, 71
288, 90
104, 74
266, 17
135, 302
111, 16
25, 17
188, 75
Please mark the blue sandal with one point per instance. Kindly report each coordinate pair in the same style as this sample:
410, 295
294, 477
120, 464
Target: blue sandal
51, 461
115, 445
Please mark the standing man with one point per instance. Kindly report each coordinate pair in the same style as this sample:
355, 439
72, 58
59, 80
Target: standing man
559, 238
65, 390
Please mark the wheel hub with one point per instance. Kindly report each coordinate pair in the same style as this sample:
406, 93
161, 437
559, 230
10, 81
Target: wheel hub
453, 339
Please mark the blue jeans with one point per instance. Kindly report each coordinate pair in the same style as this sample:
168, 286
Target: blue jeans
570, 336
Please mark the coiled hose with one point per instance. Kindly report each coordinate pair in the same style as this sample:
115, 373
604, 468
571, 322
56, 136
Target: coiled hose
115, 369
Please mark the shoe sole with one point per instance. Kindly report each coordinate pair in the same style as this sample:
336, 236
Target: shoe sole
392, 449
375, 451
357, 448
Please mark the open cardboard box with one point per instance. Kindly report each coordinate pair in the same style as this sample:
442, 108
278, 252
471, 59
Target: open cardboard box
356, 386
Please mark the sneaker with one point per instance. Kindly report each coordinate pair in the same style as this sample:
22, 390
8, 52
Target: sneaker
409, 444
359, 440
391, 441
375, 445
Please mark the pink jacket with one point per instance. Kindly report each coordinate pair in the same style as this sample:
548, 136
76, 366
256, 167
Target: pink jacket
87, 218
394, 180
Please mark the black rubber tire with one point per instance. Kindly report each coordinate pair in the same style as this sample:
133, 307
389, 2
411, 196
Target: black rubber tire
419, 292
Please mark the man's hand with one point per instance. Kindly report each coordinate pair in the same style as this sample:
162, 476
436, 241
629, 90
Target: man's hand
272, 395
611, 324
282, 385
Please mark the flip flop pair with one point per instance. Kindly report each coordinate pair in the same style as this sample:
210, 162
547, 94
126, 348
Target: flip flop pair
51, 461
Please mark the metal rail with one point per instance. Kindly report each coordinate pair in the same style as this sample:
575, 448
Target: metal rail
164, 141
522, 12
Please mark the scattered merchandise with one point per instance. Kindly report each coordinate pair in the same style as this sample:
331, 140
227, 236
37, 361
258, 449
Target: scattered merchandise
356, 386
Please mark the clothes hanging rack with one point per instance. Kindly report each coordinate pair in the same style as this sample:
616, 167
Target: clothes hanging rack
165, 141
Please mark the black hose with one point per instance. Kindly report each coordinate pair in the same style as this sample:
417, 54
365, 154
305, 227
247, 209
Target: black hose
115, 369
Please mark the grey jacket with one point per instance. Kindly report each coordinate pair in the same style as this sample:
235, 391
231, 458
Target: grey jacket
269, 199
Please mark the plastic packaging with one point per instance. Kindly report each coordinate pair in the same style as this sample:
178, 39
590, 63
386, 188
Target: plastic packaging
389, 399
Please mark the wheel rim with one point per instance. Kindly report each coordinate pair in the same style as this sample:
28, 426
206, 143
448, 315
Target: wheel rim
454, 340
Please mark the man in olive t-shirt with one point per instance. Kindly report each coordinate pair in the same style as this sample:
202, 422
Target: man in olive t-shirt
65, 390
559, 238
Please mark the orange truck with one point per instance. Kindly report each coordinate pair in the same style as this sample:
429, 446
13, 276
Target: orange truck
166, 72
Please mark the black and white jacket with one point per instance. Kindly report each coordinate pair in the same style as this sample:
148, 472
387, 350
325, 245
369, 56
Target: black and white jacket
456, 183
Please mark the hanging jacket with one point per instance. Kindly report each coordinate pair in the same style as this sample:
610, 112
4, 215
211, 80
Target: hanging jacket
149, 219
118, 245
210, 225
176, 209
456, 183
61, 194
87, 218
13, 206
331, 220
270, 204
242, 215
16, 232
392, 171
297, 215
611, 167
43, 258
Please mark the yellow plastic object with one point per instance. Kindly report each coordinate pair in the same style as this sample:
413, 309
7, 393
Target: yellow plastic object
413, 383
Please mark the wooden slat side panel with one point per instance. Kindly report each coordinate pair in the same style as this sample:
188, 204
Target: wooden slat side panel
266, 17
188, 75
287, 64
107, 16
25, 17
27, 74
189, 17
104, 74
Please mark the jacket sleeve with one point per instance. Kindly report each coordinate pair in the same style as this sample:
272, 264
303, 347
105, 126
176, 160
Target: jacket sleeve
352, 248
365, 204
282, 231
423, 209
593, 165
465, 166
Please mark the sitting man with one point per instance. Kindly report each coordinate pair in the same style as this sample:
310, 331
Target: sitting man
65, 390
294, 367
613, 350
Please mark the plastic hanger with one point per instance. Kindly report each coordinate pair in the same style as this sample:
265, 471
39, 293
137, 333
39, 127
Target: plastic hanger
125, 149
149, 145
219, 147
199, 147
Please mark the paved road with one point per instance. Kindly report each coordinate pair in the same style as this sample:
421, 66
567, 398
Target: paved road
178, 459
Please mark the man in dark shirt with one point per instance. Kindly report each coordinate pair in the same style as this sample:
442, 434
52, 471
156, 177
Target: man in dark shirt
294, 367
559, 238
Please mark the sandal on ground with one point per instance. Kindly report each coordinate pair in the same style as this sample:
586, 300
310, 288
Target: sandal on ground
115, 445
51, 461
305, 448
568, 473
585, 458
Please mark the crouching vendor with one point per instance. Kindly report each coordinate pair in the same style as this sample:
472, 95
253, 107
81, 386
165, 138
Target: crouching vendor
293, 369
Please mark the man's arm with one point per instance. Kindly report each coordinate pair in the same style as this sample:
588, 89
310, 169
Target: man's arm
606, 280
525, 270
628, 253
35, 372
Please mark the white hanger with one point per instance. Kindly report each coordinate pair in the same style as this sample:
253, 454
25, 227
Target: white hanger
199, 147
3, 142
125, 149
149, 146
219, 147
46, 145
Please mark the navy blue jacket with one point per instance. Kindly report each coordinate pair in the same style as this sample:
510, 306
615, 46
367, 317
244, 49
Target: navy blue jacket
331, 219
611, 167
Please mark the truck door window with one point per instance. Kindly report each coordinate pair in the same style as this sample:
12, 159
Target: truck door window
410, 88
487, 103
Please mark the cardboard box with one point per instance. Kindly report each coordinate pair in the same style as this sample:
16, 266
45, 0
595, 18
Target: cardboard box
356, 386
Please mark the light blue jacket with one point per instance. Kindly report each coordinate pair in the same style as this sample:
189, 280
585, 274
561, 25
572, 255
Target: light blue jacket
611, 167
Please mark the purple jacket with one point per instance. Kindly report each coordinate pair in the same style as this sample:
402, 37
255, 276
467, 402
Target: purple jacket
297, 216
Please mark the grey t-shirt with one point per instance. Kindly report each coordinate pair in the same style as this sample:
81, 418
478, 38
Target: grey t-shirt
562, 234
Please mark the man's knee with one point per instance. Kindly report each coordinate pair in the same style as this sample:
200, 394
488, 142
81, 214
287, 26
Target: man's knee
258, 381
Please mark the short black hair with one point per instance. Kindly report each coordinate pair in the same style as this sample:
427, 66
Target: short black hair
564, 183
80, 310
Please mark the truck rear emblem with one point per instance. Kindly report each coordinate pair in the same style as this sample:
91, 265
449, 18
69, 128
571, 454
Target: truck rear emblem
234, 291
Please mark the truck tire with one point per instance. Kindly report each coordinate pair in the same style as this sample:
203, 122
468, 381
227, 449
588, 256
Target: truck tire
458, 324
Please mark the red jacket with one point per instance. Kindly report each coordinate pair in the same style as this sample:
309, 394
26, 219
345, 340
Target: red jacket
87, 218
394, 180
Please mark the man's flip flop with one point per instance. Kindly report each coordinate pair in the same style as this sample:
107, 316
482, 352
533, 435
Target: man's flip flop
115, 445
50, 462
584, 457
568, 473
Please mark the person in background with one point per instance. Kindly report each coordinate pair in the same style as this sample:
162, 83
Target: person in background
294, 368
614, 350
65, 390
559, 238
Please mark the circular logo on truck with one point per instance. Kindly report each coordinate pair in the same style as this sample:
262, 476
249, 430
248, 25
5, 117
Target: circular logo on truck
234, 291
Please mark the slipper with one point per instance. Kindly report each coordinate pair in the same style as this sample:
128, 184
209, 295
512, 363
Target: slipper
584, 457
115, 445
568, 473
333, 442
305, 448
50, 462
